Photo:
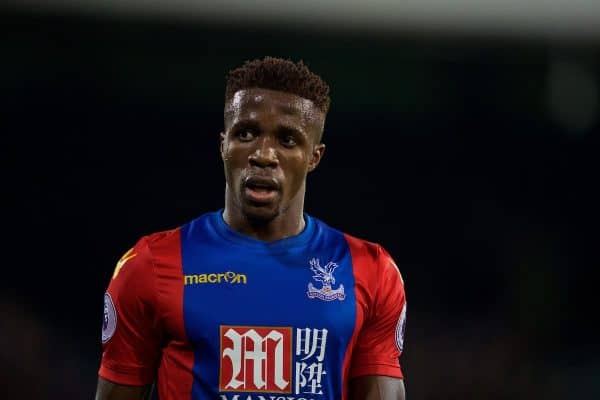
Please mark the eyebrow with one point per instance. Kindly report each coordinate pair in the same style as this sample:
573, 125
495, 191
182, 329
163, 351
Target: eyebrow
281, 128
245, 123
292, 130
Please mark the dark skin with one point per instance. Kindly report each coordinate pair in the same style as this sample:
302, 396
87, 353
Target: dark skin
272, 140
272, 136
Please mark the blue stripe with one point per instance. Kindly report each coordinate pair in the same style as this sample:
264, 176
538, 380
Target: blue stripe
274, 294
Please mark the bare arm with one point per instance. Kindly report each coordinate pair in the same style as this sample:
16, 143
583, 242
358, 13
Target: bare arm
375, 387
107, 390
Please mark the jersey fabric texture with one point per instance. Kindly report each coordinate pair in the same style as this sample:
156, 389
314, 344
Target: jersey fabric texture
205, 312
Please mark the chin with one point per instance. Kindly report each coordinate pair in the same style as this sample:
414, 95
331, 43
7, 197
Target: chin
262, 213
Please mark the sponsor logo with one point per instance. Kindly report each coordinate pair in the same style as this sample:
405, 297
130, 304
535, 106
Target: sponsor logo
126, 257
109, 324
225, 277
325, 276
260, 359
256, 359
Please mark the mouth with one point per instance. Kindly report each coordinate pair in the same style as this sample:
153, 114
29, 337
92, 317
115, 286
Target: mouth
260, 189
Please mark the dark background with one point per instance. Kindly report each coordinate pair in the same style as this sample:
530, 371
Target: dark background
472, 159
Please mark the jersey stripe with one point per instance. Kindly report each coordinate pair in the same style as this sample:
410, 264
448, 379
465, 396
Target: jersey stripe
174, 375
357, 256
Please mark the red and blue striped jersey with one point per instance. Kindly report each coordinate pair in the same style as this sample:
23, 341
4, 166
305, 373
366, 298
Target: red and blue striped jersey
205, 312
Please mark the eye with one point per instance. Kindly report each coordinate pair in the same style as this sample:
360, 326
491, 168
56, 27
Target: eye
288, 140
245, 135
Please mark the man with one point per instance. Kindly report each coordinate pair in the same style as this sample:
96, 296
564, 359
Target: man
258, 300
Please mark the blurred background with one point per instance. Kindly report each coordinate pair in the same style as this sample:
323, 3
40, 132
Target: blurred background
463, 136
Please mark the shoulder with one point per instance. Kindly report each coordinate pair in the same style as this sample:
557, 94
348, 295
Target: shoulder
363, 251
159, 240
357, 244
140, 258
367, 248
374, 266
366, 255
372, 253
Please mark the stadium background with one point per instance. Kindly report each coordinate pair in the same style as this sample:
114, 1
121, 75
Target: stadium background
468, 148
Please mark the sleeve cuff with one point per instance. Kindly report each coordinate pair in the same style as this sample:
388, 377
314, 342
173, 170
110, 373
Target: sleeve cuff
125, 375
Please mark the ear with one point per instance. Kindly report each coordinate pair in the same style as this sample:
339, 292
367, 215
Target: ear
222, 144
317, 154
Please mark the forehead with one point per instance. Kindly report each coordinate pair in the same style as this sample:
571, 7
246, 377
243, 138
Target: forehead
273, 103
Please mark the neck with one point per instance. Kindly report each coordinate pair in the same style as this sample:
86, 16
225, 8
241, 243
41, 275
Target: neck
289, 222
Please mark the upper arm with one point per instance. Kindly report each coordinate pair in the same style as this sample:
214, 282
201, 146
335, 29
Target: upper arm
107, 390
131, 334
380, 341
376, 387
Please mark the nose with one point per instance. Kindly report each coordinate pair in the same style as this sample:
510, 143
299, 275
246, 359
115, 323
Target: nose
264, 155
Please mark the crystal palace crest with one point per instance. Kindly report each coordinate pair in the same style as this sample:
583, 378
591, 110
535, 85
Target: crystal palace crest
325, 276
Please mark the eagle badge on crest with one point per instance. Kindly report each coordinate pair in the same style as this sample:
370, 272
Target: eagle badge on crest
325, 276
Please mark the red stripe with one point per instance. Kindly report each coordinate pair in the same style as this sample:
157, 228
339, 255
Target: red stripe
175, 372
359, 256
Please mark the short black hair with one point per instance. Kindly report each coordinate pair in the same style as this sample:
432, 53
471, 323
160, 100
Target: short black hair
282, 75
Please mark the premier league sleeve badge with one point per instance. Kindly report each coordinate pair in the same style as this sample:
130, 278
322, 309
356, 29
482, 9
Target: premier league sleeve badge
109, 323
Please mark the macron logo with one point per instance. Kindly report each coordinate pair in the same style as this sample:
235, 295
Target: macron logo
227, 277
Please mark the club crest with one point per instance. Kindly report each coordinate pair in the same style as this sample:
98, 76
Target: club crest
325, 276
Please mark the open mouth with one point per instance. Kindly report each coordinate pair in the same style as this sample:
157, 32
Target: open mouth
261, 189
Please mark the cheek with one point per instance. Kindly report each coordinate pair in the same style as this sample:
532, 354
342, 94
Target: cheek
232, 157
231, 165
297, 169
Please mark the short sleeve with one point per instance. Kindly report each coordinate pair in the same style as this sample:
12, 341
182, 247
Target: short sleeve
380, 342
131, 336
